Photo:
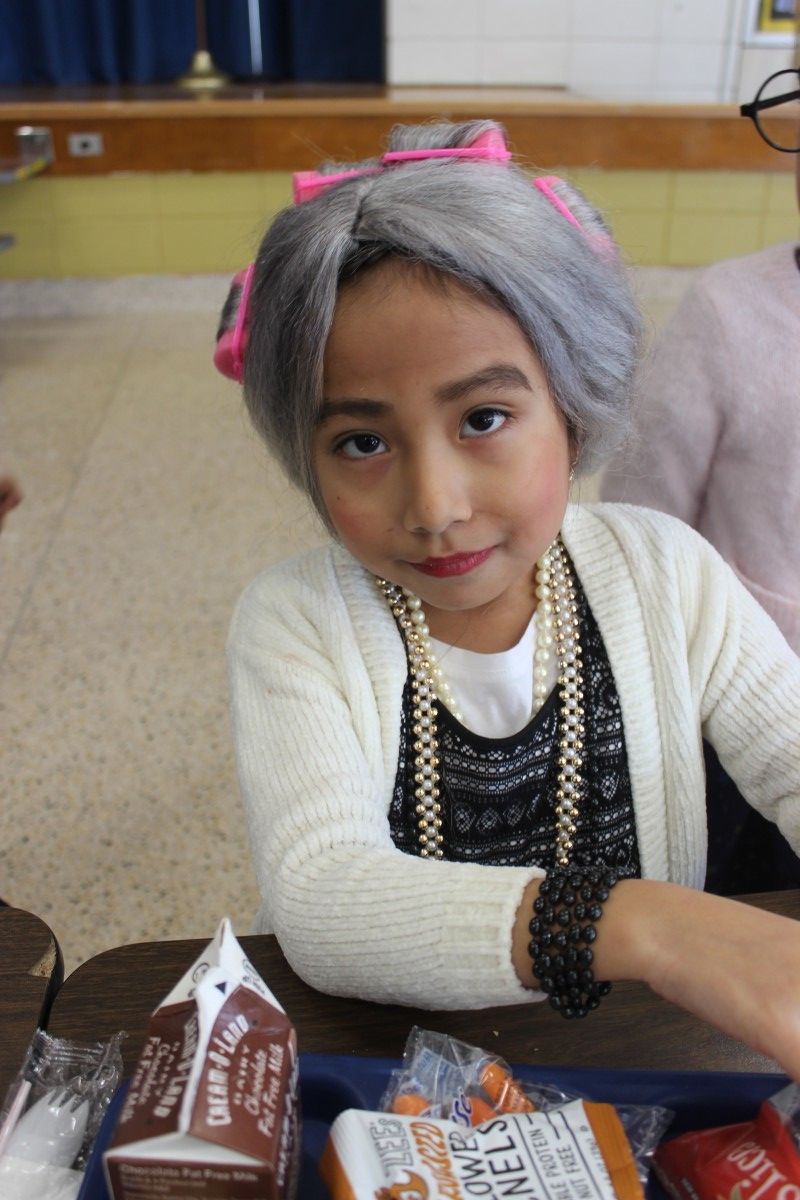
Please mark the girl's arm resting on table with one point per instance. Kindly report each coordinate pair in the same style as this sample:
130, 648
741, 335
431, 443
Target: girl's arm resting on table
729, 963
357, 917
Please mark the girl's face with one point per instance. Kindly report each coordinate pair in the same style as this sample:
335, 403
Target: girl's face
440, 455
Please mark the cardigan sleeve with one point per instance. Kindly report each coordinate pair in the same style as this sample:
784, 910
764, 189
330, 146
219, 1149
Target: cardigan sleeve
748, 682
354, 915
683, 389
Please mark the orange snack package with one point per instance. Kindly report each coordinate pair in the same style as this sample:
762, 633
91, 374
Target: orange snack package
754, 1160
444, 1078
507, 1095
576, 1152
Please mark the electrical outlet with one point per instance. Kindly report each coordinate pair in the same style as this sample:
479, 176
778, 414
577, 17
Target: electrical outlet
85, 145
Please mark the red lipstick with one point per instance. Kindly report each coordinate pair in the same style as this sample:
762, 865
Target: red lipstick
454, 564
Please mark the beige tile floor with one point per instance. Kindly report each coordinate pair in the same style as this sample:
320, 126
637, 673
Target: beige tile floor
149, 503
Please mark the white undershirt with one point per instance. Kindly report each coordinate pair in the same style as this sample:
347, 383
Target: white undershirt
493, 692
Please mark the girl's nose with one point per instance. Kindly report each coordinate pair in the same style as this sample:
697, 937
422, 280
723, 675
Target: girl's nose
436, 496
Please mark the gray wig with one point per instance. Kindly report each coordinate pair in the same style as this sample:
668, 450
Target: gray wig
480, 223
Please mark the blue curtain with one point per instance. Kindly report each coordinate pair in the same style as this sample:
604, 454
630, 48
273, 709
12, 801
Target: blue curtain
305, 40
67, 42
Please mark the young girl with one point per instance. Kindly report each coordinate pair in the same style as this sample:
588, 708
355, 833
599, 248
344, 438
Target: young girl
471, 726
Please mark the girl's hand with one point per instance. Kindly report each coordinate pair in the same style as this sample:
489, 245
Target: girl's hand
730, 964
735, 966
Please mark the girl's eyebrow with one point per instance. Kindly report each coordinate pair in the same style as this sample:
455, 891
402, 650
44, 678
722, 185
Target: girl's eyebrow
357, 407
499, 375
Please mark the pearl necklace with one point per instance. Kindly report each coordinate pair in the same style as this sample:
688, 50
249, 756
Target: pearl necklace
556, 623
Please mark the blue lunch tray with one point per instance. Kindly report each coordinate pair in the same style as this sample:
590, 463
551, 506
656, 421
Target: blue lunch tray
330, 1083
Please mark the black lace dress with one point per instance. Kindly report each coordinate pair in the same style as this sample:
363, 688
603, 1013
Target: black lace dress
498, 794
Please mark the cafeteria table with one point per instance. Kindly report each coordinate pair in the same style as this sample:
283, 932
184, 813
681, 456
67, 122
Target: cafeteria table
31, 971
633, 1028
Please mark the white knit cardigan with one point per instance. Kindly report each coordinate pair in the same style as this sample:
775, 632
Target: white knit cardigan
317, 673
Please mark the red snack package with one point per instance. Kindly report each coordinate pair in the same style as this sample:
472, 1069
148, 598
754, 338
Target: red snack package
756, 1160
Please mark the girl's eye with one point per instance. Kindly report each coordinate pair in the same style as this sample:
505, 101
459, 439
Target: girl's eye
483, 420
360, 445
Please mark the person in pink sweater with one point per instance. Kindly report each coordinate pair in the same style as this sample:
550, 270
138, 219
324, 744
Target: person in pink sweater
717, 444
718, 440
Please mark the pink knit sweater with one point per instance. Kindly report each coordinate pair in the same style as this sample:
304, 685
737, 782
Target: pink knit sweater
718, 438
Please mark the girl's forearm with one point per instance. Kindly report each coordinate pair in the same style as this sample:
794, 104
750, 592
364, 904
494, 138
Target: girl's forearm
731, 964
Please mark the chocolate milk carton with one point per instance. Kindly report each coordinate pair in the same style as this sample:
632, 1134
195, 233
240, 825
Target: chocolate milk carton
212, 1108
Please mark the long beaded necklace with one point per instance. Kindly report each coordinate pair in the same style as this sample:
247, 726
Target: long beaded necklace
556, 625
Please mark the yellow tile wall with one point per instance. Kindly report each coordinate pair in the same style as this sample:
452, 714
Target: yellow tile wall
692, 218
180, 222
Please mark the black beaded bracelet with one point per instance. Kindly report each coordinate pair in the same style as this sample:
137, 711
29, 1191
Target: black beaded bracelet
563, 928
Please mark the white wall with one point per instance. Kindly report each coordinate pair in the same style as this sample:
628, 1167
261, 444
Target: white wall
660, 50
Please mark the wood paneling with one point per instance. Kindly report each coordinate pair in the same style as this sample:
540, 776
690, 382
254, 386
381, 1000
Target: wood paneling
283, 129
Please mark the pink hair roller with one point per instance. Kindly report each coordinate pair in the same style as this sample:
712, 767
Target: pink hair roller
229, 351
488, 147
601, 243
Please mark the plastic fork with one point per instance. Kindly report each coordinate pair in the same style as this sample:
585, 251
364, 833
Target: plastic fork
52, 1130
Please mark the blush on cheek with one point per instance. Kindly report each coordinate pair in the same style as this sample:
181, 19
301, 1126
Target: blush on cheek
352, 522
546, 492
547, 485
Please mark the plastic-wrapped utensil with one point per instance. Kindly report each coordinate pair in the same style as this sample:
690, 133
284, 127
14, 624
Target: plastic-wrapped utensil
51, 1114
52, 1130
